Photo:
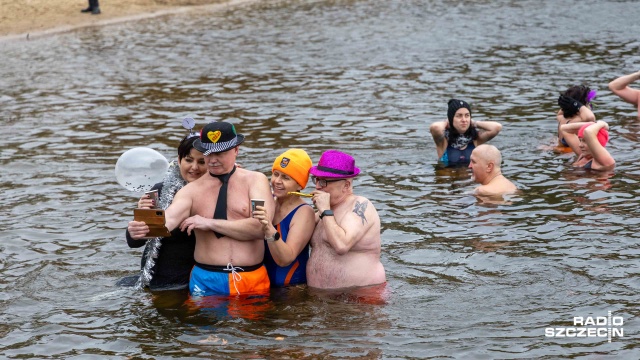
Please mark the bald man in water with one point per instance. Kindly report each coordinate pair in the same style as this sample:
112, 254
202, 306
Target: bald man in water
485, 165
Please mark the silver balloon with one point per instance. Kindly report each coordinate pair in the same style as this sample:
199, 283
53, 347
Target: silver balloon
140, 168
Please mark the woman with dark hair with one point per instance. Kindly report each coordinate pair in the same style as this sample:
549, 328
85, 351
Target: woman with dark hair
167, 262
575, 106
457, 136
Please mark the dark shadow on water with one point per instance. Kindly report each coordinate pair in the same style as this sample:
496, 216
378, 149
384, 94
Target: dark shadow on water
128, 281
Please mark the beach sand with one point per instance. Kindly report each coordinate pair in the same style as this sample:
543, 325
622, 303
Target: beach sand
31, 18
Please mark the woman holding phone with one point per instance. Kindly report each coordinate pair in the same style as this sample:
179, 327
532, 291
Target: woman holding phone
166, 262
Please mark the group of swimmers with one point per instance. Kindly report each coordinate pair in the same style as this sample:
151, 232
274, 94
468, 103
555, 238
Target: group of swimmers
461, 141
219, 246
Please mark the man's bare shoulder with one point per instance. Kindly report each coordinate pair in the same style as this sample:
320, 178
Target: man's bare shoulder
493, 190
358, 199
197, 184
362, 208
482, 191
250, 174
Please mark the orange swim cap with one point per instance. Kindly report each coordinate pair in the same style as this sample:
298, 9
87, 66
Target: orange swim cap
296, 164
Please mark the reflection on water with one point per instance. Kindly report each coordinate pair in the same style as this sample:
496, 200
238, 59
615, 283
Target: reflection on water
467, 277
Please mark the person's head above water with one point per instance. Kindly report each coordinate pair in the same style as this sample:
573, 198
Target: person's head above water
602, 136
295, 163
190, 160
581, 93
459, 116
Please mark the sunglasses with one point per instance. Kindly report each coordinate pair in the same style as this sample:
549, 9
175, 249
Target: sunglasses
323, 182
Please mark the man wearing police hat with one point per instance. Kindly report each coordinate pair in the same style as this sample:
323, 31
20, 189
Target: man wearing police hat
229, 241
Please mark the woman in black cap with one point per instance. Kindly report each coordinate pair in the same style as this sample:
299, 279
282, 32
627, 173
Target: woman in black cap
457, 136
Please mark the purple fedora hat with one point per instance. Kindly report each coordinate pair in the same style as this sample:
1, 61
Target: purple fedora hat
335, 164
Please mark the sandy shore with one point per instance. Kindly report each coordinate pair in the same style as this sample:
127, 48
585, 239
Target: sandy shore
19, 18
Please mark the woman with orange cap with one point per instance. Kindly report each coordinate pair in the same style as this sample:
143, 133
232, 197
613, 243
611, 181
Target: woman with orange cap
593, 139
287, 242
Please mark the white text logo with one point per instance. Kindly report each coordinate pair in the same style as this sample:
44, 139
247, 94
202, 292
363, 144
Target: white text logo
599, 326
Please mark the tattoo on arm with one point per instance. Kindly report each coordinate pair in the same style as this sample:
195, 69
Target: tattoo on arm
359, 209
439, 138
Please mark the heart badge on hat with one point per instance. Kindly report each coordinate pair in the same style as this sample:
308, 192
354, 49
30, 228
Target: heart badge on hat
217, 137
214, 136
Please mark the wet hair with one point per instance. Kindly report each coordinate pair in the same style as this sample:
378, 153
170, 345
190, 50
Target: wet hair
576, 92
184, 149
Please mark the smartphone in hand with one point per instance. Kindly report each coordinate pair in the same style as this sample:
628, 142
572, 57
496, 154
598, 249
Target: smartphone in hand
154, 218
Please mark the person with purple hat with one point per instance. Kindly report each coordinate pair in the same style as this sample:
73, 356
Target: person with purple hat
346, 242
229, 241
593, 141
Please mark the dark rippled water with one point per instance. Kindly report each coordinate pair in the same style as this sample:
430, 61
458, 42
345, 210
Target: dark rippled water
468, 278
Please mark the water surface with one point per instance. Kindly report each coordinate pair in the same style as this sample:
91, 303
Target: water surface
467, 278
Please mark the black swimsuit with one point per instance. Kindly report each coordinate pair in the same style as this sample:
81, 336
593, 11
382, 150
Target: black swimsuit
453, 157
175, 260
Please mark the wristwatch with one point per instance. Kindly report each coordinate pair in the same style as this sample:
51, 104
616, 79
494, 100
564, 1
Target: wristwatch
272, 238
326, 213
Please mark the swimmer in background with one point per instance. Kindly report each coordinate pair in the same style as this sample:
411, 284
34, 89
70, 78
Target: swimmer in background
575, 106
457, 136
620, 87
485, 165
593, 139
